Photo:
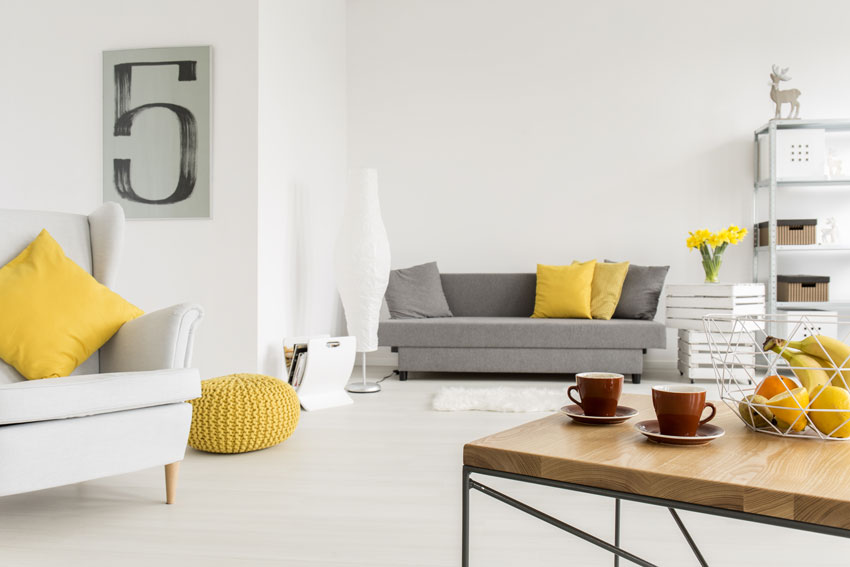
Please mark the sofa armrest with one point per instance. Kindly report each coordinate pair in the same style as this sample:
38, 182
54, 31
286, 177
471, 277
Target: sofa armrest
158, 340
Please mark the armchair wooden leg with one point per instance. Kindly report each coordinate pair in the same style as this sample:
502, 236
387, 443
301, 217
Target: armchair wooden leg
171, 472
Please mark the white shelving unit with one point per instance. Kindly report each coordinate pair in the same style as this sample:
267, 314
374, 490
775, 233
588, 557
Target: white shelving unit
840, 185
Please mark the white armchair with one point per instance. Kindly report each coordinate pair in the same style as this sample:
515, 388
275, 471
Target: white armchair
123, 409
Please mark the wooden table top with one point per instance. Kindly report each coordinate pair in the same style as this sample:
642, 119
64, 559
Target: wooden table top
796, 479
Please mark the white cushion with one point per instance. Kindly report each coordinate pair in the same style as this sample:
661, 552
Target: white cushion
76, 396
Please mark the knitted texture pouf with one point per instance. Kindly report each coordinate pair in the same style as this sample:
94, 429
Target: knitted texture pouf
243, 412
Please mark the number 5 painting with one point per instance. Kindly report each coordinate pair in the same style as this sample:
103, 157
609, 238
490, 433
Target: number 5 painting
156, 131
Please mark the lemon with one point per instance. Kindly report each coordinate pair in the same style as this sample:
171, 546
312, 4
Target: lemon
789, 407
831, 398
752, 411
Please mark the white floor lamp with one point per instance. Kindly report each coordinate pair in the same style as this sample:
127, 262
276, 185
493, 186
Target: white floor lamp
362, 265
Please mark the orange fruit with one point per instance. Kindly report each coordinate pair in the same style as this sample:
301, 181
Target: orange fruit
775, 385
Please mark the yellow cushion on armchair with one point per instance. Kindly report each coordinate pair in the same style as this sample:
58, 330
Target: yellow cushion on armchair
53, 313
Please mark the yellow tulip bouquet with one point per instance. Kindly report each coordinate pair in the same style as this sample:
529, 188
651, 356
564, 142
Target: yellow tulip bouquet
712, 245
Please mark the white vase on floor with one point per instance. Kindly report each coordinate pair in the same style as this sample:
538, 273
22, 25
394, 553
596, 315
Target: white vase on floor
362, 265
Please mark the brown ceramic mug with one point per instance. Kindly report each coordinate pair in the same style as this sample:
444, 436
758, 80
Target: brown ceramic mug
679, 408
599, 393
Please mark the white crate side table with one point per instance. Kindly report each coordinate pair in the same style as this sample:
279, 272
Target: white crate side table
686, 306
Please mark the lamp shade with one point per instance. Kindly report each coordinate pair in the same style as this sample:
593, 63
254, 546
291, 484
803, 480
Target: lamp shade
362, 259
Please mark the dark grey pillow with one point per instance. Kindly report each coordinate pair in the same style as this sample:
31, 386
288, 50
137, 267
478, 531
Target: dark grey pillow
417, 293
641, 292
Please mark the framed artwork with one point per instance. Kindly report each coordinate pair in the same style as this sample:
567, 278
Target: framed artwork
156, 131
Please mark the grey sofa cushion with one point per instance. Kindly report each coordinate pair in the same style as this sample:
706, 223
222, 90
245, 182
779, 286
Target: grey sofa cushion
641, 292
521, 332
490, 295
416, 292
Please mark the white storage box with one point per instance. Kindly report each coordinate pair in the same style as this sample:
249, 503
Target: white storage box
804, 322
800, 155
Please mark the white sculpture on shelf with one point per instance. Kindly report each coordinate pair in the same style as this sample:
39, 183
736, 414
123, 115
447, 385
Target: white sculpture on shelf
829, 231
362, 265
781, 97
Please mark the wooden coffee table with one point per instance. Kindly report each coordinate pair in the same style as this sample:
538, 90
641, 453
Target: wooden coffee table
794, 483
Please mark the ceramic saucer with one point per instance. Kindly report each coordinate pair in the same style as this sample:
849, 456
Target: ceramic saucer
705, 434
577, 414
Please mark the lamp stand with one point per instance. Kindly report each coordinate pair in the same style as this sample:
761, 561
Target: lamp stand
363, 387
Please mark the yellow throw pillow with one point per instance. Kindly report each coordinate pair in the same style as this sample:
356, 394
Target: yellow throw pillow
564, 291
54, 314
606, 288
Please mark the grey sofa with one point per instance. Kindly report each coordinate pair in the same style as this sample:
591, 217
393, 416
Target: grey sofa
492, 331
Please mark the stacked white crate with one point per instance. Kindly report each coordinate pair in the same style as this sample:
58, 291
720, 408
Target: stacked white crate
686, 306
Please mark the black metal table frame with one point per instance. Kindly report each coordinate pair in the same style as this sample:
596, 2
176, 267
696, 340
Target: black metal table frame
470, 484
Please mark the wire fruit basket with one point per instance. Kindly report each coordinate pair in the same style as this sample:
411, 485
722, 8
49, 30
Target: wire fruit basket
797, 385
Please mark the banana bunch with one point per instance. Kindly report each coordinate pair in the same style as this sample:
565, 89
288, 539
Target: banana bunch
829, 349
810, 369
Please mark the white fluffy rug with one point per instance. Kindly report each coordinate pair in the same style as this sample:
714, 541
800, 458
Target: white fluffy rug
453, 398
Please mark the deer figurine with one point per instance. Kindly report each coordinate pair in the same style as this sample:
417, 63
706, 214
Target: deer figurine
781, 97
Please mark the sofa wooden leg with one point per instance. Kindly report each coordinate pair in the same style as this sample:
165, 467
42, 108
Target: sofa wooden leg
402, 375
171, 473
635, 378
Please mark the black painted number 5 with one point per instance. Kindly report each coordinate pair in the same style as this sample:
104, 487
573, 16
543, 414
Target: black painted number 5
124, 116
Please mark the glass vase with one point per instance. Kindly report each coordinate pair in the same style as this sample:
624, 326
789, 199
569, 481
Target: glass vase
712, 271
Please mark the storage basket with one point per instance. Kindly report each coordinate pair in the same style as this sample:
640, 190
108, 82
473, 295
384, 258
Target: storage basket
802, 288
790, 231
739, 372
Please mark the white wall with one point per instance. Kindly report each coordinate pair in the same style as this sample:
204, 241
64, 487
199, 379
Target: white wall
505, 133
50, 150
508, 133
302, 165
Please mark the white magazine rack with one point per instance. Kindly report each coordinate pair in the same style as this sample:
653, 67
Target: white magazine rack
329, 363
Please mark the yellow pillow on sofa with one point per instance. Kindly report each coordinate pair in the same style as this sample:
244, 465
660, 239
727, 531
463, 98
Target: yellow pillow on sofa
564, 291
606, 288
54, 314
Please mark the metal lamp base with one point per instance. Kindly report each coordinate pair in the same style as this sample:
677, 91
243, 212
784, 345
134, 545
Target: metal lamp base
363, 387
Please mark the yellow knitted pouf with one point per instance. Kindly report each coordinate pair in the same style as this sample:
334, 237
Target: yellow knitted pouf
243, 412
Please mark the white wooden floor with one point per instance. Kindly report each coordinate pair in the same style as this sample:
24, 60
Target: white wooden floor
377, 484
